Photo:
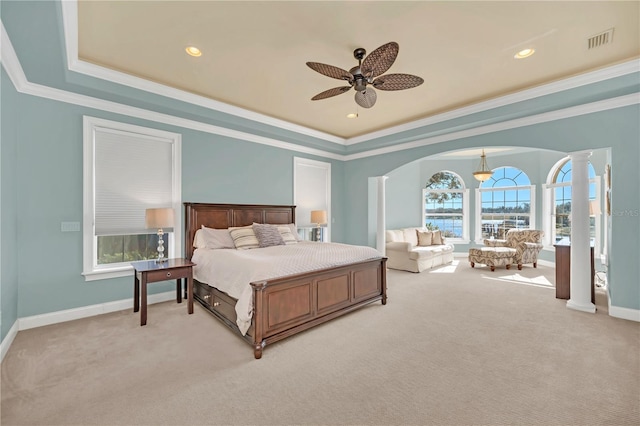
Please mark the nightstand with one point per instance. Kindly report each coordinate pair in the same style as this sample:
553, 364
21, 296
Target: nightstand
150, 271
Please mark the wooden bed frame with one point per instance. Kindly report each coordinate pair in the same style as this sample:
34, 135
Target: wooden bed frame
288, 305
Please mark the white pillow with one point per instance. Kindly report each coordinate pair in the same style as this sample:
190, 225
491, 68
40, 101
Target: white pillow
213, 238
294, 231
287, 236
198, 240
411, 236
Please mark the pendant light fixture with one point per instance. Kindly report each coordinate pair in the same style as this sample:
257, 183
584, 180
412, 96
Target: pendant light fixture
483, 172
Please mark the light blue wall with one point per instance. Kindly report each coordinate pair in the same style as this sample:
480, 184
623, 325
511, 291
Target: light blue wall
403, 189
617, 129
9, 206
48, 184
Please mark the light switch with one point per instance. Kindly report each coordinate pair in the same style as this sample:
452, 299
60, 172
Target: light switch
70, 226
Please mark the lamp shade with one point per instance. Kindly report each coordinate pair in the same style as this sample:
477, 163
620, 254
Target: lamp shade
594, 208
159, 218
319, 216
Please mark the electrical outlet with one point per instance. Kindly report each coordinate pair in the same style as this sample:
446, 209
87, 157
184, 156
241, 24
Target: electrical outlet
70, 226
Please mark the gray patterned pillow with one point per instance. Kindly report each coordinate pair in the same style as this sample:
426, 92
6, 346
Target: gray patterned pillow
268, 235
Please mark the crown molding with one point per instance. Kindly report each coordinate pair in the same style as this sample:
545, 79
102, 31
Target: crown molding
70, 26
12, 65
604, 105
618, 70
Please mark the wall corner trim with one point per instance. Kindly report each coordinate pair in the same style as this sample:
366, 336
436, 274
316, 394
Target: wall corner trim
8, 340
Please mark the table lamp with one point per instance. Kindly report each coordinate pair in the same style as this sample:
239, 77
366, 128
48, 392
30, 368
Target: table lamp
319, 217
158, 219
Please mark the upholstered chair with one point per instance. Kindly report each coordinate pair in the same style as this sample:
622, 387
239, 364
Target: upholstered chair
526, 242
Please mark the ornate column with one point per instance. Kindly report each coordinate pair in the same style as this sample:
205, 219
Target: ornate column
381, 224
580, 283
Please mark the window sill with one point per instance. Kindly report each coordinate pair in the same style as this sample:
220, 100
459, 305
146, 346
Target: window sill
123, 271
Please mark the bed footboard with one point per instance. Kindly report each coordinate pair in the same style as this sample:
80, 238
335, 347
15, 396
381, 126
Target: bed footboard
289, 305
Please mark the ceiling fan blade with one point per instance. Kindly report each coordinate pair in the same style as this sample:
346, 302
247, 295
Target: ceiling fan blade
331, 92
330, 71
397, 82
380, 60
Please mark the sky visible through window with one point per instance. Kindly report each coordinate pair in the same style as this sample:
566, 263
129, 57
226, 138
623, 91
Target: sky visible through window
562, 201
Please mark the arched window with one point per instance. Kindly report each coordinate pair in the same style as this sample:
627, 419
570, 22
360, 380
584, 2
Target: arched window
560, 206
506, 202
445, 202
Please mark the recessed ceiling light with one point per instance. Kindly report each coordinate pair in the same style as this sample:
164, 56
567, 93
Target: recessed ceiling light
193, 51
524, 53
352, 115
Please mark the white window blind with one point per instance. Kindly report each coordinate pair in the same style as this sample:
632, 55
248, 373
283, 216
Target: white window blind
133, 172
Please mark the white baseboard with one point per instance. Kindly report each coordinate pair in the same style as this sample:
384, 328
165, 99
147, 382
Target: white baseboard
623, 313
8, 340
88, 311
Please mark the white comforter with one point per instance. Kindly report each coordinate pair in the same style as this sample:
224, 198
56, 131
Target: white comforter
231, 270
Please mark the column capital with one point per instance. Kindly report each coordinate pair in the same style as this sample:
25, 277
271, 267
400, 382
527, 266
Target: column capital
577, 155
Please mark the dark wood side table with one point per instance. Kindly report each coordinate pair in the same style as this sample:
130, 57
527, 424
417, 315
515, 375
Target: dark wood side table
150, 271
563, 272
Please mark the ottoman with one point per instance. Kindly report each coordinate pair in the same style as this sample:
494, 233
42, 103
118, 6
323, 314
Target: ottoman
492, 256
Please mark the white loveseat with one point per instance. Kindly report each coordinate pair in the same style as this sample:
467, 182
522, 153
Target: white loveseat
406, 252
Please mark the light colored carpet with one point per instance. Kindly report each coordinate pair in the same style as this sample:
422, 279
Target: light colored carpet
453, 346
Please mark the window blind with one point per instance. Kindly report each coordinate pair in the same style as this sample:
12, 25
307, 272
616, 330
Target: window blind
132, 172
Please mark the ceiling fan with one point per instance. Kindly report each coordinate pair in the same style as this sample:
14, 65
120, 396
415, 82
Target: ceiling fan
367, 75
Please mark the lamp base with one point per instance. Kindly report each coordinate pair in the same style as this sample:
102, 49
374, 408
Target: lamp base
164, 259
317, 234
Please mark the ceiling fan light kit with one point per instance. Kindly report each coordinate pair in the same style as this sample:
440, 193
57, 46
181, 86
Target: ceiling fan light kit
367, 75
366, 98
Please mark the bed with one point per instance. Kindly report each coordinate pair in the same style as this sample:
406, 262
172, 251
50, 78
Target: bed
286, 305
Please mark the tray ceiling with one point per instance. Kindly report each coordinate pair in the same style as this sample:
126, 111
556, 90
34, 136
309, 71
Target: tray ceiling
254, 53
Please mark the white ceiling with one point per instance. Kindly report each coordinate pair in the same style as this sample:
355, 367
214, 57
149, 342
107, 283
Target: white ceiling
254, 53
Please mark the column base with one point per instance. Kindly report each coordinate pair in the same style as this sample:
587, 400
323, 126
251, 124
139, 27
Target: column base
584, 307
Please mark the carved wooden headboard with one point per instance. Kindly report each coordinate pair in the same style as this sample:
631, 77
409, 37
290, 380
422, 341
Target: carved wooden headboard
222, 216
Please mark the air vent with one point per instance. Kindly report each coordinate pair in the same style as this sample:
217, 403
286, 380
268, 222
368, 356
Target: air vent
601, 39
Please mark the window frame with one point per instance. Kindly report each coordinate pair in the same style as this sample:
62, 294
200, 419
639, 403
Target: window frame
465, 207
478, 238
91, 269
548, 205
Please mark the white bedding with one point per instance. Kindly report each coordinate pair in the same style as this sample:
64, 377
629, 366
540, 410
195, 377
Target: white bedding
232, 270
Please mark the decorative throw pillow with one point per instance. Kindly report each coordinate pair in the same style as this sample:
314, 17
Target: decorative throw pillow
244, 238
287, 235
268, 235
394, 235
215, 238
411, 236
425, 238
437, 238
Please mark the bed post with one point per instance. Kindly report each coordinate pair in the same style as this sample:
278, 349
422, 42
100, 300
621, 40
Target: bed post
258, 326
384, 280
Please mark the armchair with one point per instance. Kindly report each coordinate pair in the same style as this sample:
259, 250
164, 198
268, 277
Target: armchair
526, 242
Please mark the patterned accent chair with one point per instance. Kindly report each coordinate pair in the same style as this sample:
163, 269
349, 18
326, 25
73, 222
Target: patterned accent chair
520, 246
